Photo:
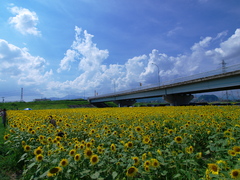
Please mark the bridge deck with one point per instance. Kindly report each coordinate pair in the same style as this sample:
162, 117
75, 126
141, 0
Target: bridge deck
189, 86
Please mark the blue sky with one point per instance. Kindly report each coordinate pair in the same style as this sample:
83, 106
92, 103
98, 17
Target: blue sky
76, 47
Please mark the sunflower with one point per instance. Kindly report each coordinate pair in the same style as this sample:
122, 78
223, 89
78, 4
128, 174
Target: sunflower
58, 138
170, 131
38, 151
113, 148
136, 161
76, 146
235, 174
199, 155
88, 153
94, 159
41, 137
147, 168
77, 157
129, 144
82, 146
44, 142
6, 137
49, 152
138, 129
236, 149
189, 150
97, 135
100, 149
27, 148
213, 168
149, 154
39, 157
227, 133
132, 171
231, 152
144, 156
146, 139
89, 144
178, 139
23, 143
155, 163
72, 152
49, 139
54, 171
147, 163
63, 162
92, 131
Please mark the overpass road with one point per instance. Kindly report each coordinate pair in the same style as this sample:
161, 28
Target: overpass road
178, 92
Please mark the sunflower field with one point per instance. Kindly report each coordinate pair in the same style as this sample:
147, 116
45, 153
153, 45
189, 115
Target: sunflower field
185, 142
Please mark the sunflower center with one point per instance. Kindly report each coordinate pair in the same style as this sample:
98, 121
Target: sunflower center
94, 159
214, 168
54, 170
131, 170
89, 153
235, 173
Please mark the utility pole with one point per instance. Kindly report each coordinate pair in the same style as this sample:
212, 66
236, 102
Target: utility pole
223, 66
3, 99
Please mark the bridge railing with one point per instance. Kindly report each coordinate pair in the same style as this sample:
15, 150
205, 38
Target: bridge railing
178, 80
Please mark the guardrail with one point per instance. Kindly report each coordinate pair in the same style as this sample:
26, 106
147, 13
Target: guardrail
178, 80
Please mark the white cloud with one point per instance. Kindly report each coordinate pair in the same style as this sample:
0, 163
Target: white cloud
68, 58
85, 52
20, 65
174, 31
103, 78
25, 20
229, 49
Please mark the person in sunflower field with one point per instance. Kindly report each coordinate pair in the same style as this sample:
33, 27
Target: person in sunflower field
4, 117
52, 121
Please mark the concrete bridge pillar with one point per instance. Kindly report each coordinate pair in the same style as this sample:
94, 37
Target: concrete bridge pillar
178, 99
124, 103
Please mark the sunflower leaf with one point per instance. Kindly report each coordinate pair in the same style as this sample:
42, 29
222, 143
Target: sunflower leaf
95, 175
114, 174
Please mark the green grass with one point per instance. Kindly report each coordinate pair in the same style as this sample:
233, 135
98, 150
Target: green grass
61, 104
8, 159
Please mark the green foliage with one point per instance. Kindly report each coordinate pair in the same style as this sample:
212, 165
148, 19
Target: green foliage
208, 98
8, 159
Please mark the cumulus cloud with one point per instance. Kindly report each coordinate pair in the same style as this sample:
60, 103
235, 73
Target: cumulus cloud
95, 76
84, 51
25, 20
20, 65
229, 49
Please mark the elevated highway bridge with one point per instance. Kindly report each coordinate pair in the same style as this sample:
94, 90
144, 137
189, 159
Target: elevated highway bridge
178, 91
